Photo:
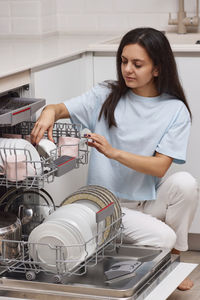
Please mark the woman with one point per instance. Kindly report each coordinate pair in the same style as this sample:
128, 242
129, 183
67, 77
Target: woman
139, 125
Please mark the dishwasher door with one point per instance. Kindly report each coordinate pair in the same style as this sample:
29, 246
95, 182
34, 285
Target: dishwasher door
153, 265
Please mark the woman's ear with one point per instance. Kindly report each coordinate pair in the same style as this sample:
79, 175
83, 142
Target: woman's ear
155, 72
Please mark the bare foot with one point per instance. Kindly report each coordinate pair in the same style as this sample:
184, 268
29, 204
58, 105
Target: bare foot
186, 284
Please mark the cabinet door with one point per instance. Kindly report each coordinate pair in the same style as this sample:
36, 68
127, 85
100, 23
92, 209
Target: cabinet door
56, 84
188, 68
60, 82
104, 68
189, 73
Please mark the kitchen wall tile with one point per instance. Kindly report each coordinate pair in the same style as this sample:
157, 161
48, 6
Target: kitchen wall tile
149, 20
5, 26
25, 8
48, 7
190, 6
77, 23
70, 6
86, 16
48, 24
4, 9
25, 26
144, 6
113, 23
105, 6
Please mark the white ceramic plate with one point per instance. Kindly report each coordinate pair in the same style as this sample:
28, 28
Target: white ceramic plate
1, 155
4, 151
94, 198
110, 198
46, 237
80, 216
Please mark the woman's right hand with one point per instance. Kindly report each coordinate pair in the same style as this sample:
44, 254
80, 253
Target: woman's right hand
44, 123
50, 114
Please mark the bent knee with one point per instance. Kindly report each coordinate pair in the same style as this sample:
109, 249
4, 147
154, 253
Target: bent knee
167, 238
184, 180
185, 184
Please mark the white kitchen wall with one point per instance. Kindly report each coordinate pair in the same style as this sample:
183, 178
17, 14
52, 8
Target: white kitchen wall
39, 17
27, 17
114, 16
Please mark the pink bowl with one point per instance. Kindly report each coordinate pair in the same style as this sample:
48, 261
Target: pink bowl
68, 146
17, 168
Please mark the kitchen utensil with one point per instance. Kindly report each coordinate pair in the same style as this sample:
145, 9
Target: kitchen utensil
10, 229
39, 201
6, 195
25, 214
12, 192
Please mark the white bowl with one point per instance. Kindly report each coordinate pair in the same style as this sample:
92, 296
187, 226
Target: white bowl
17, 168
45, 147
68, 146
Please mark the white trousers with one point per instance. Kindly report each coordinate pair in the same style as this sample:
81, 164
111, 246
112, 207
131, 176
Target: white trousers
163, 222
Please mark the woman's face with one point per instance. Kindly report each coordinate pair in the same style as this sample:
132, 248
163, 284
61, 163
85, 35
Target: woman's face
138, 70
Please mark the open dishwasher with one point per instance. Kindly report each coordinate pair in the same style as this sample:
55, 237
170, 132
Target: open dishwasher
114, 271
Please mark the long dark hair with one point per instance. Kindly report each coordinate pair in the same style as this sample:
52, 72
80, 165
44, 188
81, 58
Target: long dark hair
160, 52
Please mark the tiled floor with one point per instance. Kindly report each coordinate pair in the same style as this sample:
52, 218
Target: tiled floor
194, 293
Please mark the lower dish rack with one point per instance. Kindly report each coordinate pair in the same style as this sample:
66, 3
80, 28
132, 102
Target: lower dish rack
46, 167
25, 264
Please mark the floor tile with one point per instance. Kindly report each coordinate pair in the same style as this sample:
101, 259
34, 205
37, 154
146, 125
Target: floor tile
194, 293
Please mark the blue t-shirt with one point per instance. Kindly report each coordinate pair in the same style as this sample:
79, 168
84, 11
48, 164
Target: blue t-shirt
144, 125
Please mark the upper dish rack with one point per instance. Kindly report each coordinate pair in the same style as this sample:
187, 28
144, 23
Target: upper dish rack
46, 167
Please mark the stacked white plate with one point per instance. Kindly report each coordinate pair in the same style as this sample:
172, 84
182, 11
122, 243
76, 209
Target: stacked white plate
65, 239
97, 198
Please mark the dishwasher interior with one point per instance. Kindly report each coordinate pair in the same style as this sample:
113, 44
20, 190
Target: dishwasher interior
115, 270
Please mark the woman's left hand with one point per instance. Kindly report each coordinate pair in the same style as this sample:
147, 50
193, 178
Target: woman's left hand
100, 143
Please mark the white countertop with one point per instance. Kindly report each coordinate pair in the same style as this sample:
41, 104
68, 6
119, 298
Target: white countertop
20, 54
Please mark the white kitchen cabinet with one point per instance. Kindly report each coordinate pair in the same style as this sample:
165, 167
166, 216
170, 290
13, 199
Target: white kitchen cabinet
189, 67
104, 68
59, 82
56, 84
